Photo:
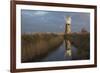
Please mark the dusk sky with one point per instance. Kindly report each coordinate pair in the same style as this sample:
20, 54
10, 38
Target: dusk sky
52, 21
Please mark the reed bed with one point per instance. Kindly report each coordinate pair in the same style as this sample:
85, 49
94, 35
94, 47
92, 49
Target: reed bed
36, 46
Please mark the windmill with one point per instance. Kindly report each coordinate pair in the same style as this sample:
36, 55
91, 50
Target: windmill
68, 25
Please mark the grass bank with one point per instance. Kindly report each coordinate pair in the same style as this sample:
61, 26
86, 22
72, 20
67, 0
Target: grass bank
38, 45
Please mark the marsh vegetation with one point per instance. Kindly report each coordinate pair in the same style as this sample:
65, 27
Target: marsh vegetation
37, 47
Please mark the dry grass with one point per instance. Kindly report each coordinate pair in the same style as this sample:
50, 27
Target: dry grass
36, 46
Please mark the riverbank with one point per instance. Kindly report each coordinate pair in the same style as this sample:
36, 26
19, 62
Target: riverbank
38, 45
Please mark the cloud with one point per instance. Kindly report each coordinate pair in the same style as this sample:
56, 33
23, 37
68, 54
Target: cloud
33, 12
40, 13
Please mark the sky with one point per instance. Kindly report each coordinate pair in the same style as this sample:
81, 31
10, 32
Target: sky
53, 21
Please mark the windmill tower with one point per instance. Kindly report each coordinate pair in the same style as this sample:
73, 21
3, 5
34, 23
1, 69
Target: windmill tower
68, 25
